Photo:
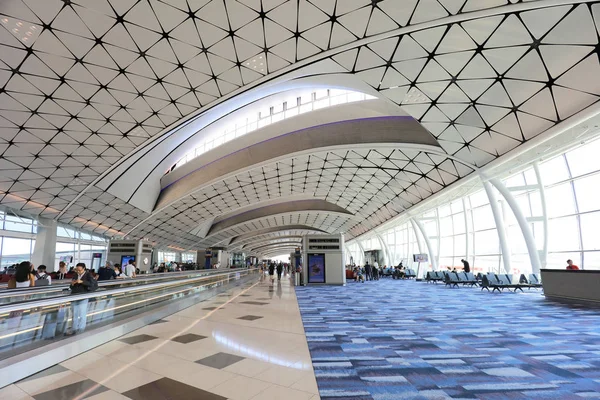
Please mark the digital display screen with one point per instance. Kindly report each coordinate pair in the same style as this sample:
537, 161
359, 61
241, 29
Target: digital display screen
125, 260
316, 268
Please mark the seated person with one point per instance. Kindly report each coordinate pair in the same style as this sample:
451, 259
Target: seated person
399, 273
359, 275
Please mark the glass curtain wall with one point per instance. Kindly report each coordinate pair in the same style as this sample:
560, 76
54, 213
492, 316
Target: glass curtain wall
167, 256
17, 242
17, 239
466, 228
74, 246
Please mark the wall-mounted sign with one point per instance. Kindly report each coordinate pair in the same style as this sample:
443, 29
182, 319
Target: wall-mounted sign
421, 258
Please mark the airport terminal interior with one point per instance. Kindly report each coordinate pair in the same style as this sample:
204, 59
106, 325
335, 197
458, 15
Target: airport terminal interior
299, 199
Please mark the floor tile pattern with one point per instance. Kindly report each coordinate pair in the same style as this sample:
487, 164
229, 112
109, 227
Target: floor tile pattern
188, 338
72, 391
205, 352
169, 388
137, 339
250, 317
220, 360
391, 339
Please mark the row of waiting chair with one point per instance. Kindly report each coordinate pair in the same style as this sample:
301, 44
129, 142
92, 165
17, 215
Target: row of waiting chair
487, 281
500, 282
395, 273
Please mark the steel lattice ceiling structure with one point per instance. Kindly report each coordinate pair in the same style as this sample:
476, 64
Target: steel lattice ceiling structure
87, 87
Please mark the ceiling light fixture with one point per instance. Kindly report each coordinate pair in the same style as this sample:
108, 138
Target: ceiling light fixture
23, 31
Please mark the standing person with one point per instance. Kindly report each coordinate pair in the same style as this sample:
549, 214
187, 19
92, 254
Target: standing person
130, 269
82, 283
375, 273
571, 266
466, 266
368, 275
272, 272
41, 277
23, 277
107, 272
279, 271
62, 271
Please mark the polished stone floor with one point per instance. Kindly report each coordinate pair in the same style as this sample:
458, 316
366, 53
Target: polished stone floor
246, 344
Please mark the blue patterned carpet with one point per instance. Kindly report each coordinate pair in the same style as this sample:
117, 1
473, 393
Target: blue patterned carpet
392, 340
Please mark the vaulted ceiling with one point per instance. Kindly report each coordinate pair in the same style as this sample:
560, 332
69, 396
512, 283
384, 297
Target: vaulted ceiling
87, 87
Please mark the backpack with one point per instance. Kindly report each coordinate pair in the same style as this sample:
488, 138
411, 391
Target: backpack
93, 285
42, 280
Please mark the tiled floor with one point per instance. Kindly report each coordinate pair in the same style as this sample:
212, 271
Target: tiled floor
230, 347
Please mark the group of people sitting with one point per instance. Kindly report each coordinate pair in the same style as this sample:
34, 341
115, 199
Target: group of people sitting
374, 272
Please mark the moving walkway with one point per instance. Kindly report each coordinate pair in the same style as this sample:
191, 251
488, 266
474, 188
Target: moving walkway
36, 334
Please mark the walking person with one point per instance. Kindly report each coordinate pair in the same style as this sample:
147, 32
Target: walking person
279, 271
272, 272
368, 275
82, 283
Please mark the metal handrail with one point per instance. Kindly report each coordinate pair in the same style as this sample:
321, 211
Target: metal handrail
59, 300
62, 286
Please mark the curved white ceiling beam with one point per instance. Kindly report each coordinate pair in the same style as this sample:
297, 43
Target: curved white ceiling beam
278, 252
324, 221
343, 112
274, 245
314, 205
244, 236
260, 242
392, 131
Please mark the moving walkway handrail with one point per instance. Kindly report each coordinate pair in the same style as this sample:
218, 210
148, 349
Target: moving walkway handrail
64, 286
71, 298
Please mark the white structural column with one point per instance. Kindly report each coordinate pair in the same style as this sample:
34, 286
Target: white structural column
348, 254
438, 229
386, 253
419, 226
523, 224
467, 232
500, 228
540, 181
44, 252
361, 254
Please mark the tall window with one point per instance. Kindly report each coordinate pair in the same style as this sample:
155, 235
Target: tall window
467, 226
16, 240
74, 246
256, 118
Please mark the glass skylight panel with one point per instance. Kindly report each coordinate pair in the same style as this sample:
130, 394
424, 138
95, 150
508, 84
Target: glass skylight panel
295, 104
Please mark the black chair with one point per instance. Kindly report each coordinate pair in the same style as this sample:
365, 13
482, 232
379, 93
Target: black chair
467, 278
451, 279
499, 282
530, 282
